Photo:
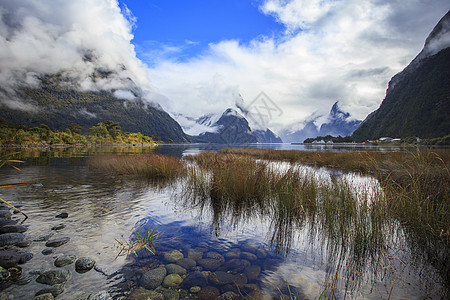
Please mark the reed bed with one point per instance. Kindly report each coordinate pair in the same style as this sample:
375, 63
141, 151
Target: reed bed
291, 196
147, 166
356, 226
416, 184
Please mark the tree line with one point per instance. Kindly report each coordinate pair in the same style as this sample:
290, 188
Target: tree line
107, 132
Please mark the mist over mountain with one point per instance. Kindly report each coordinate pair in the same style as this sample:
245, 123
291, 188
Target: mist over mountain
73, 61
337, 123
230, 127
417, 102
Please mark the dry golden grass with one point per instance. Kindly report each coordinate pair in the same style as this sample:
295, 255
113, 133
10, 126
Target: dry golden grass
148, 166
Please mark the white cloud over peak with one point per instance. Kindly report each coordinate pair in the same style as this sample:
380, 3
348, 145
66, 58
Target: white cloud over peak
344, 50
74, 38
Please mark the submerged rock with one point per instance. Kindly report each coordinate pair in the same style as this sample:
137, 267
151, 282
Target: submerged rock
5, 214
173, 256
59, 227
228, 296
186, 263
13, 228
249, 256
172, 280
153, 278
169, 294
48, 251
25, 256
84, 264
221, 278
47, 296
4, 222
252, 272
194, 279
237, 265
11, 238
195, 254
23, 244
57, 242
175, 269
208, 292
141, 293
44, 238
62, 215
9, 259
55, 290
64, 260
53, 277
233, 253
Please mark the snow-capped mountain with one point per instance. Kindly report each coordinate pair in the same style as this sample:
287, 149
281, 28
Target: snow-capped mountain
337, 123
230, 127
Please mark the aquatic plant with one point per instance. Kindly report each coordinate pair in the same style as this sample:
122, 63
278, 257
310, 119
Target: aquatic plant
141, 242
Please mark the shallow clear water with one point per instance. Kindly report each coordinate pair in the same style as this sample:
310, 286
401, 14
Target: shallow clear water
104, 208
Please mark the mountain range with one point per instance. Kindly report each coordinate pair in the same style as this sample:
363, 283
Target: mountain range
417, 101
230, 127
338, 123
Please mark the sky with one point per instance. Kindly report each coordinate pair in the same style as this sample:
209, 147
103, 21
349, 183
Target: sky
196, 57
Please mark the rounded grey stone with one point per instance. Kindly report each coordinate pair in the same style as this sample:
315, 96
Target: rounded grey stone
84, 264
55, 290
64, 260
153, 278
11, 238
172, 280
9, 259
53, 277
173, 256
57, 242
13, 228
175, 269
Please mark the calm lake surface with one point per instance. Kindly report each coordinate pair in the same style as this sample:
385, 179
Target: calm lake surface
270, 255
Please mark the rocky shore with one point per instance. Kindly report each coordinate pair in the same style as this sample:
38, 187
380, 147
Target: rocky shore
13, 254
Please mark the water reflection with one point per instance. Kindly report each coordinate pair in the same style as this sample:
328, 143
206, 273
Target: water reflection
325, 241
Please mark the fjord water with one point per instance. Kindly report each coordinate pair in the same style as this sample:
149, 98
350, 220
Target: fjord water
289, 256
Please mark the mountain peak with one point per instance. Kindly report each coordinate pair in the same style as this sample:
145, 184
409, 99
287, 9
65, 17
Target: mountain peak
337, 113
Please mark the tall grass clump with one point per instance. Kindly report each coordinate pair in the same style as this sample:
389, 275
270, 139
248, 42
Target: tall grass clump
146, 166
229, 184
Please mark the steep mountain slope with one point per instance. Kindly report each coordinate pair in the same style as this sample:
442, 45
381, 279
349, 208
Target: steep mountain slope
417, 102
58, 104
338, 123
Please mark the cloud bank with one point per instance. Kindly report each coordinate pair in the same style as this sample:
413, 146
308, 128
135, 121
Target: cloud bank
73, 38
331, 51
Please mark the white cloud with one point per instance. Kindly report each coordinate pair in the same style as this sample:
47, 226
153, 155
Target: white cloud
74, 38
343, 50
